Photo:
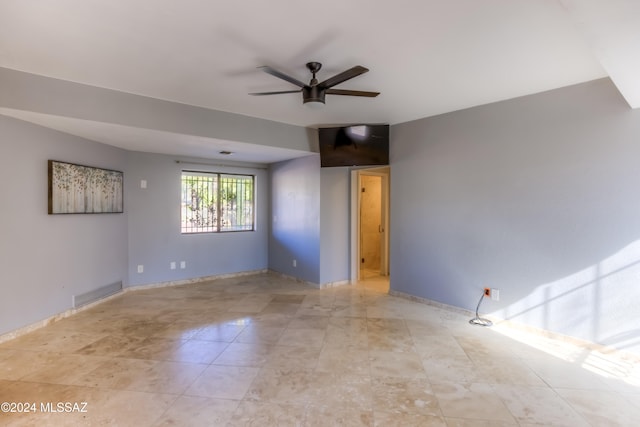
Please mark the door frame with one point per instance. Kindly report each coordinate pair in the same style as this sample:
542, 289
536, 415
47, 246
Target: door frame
356, 184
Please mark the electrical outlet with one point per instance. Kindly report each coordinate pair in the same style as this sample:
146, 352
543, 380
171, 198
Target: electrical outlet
495, 294
172, 265
295, 263
141, 268
183, 264
487, 292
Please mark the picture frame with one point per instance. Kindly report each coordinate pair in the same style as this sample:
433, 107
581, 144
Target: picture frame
79, 189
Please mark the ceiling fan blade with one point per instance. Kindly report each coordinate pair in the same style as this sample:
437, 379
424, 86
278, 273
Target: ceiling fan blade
275, 93
282, 76
344, 76
352, 93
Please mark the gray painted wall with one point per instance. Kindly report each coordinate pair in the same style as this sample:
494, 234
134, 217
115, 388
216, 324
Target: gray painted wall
536, 196
154, 225
295, 218
46, 259
335, 227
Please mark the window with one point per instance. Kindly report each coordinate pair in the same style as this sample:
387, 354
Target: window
216, 202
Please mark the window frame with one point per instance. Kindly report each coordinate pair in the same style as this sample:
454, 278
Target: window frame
217, 179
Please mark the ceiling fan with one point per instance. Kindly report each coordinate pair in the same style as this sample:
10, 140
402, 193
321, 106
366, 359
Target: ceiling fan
315, 92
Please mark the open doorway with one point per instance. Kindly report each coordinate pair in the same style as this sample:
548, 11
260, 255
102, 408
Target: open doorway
370, 224
371, 227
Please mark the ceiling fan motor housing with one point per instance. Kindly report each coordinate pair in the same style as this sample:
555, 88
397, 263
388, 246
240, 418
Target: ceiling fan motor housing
312, 94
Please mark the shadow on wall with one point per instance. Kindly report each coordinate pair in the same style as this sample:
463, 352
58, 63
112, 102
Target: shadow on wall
602, 297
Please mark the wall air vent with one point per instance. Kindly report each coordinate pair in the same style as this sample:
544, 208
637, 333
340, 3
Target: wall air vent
96, 294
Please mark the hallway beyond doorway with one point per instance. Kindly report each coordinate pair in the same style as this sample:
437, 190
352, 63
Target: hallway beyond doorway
373, 281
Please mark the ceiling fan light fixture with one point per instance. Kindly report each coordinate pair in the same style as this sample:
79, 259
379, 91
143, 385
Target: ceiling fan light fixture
313, 96
314, 105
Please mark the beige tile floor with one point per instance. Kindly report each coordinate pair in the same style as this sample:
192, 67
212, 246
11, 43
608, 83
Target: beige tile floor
268, 351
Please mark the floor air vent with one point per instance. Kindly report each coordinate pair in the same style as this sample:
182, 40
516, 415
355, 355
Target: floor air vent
96, 294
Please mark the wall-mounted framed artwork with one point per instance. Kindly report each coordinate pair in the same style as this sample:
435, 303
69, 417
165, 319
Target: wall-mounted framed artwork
77, 189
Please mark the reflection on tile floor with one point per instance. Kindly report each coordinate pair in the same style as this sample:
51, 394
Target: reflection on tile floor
264, 350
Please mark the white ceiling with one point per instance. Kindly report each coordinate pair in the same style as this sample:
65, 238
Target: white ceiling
426, 57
